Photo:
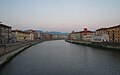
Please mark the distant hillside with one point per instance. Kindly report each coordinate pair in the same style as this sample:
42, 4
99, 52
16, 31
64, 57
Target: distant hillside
55, 32
39, 31
52, 32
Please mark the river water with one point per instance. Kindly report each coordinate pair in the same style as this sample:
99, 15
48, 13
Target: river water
62, 58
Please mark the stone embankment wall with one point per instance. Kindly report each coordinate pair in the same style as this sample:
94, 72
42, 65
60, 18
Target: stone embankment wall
11, 47
104, 45
9, 51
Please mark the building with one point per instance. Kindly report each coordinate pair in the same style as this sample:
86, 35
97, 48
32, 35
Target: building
114, 33
12, 38
21, 35
101, 31
39, 35
47, 36
62, 36
5, 32
55, 36
33, 34
85, 33
88, 37
100, 38
74, 35
100, 35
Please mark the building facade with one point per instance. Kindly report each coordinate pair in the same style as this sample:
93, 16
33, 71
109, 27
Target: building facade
47, 36
74, 35
85, 33
33, 34
88, 37
100, 38
5, 32
21, 35
114, 33
101, 31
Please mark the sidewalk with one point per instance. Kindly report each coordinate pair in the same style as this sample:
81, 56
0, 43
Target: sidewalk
7, 57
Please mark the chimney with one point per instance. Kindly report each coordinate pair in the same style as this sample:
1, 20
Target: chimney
73, 31
85, 29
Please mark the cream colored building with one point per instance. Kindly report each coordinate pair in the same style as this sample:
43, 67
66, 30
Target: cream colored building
85, 34
87, 37
21, 35
33, 34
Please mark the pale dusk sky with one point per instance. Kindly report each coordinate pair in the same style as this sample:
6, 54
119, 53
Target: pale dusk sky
60, 15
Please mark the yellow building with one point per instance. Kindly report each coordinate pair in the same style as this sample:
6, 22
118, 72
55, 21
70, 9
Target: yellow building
114, 33
101, 31
21, 35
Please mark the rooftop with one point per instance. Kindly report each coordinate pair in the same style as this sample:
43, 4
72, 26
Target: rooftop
101, 29
19, 31
5, 25
117, 26
86, 31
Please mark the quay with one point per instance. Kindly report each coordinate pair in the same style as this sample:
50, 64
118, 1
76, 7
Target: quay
6, 54
94, 44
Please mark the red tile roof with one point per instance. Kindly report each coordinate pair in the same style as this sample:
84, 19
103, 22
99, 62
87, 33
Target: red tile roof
87, 31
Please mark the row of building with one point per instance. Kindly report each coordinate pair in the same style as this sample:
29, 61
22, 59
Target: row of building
110, 34
7, 35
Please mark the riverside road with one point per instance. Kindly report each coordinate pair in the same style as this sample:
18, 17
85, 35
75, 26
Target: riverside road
61, 58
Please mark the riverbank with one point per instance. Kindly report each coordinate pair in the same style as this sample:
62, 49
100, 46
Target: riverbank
13, 50
94, 44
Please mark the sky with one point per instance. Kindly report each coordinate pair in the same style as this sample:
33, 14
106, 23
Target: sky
60, 15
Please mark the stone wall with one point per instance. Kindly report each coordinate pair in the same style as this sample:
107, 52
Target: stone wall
11, 47
7, 48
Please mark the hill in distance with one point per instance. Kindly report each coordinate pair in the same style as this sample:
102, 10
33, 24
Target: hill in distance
52, 32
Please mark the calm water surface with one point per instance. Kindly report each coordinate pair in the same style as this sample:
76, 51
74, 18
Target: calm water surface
62, 58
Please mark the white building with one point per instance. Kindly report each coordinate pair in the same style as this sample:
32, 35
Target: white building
100, 38
39, 35
33, 34
88, 37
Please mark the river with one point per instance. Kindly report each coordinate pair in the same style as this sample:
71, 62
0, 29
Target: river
61, 58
